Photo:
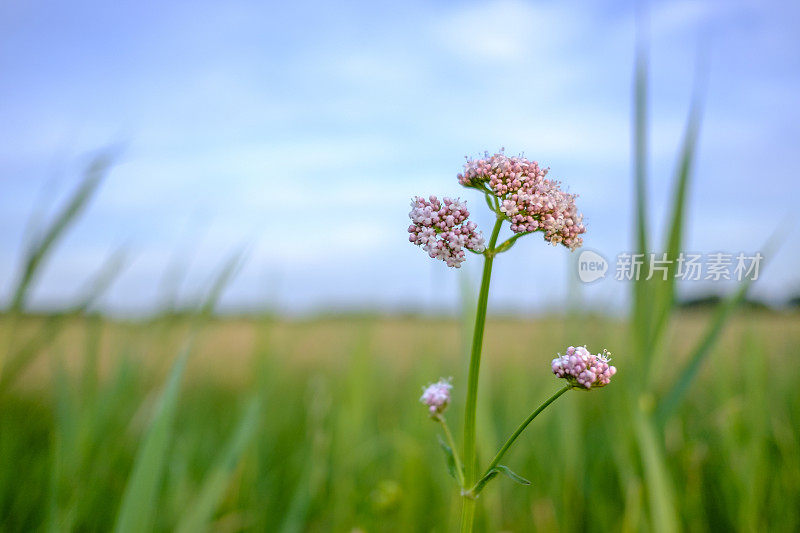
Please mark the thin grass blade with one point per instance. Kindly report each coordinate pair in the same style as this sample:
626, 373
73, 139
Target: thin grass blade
21, 357
139, 501
641, 292
39, 250
665, 288
672, 399
663, 515
663, 285
670, 402
200, 513
225, 275
63, 448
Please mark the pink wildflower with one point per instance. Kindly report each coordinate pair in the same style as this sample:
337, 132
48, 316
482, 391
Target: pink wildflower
529, 200
437, 396
581, 368
441, 228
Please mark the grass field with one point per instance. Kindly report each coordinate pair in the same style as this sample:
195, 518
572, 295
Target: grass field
315, 426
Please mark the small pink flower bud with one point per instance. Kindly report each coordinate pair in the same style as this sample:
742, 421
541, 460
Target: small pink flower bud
582, 369
437, 396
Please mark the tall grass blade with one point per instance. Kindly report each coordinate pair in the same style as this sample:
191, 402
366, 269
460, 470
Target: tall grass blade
63, 448
665, 288
672, 399
200, 513
316, 468
170, 285
18, 359
138, 508
98, 285
659, 485
225, 275
640, 148
641, 293
22, 356
42, 246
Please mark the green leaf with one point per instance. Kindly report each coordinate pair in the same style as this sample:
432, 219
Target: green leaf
490, 475
510, 242
513, 476
487, 197
139, 501
218, 479
449, 458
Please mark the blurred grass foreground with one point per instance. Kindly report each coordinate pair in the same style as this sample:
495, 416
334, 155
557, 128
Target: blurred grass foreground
315, 426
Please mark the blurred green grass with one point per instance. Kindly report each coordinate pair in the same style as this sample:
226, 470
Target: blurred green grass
340, 442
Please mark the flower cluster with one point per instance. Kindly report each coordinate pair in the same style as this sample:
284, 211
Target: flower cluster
441, 228
581, 368
437, 396
529, 200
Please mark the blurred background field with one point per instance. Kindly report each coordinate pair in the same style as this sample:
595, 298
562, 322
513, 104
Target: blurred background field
340, 442
217, 323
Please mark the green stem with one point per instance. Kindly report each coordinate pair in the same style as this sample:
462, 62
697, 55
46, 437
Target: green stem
508, 243
467, 515
522, 427
470, 469
452, 443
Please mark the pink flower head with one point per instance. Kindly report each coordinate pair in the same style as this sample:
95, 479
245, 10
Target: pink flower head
441, 228
529, 200
437, 396
582, 369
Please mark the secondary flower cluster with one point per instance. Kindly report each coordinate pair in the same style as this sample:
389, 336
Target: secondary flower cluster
441, 228
529, 200
581, 368
437, 396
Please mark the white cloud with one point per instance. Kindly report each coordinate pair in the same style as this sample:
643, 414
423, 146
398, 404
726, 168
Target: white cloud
501, 31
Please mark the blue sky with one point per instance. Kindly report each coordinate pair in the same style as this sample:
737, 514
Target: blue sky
302, 130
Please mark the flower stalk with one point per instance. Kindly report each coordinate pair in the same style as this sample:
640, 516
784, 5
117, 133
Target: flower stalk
470, 459
475, 356
520, 429
516, 191
452, 443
